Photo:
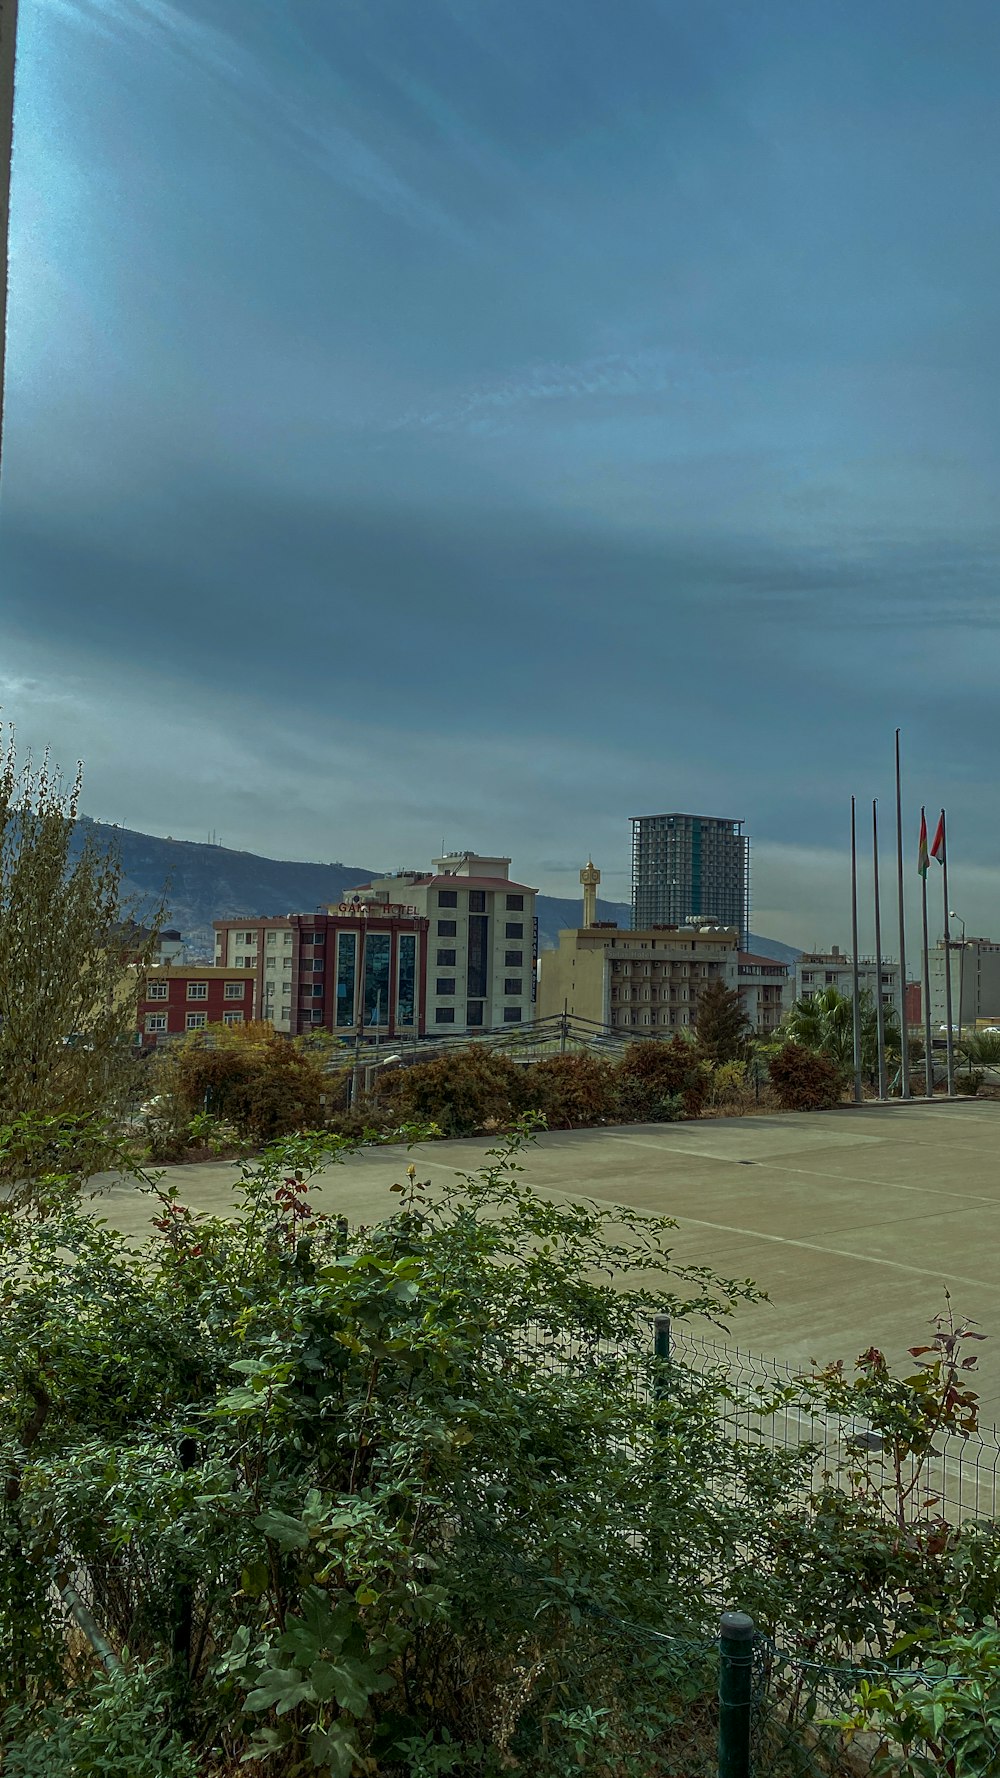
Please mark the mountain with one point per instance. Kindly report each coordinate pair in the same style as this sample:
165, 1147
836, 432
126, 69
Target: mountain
204, 882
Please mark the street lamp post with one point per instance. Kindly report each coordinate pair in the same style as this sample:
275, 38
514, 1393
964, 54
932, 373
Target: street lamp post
960, 947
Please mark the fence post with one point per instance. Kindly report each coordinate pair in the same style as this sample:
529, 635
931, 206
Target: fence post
736, 1638
661, 1345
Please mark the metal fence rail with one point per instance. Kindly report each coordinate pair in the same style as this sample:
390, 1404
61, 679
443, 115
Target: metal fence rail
963, 1474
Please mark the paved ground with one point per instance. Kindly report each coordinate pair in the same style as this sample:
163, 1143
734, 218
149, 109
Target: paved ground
853, 1221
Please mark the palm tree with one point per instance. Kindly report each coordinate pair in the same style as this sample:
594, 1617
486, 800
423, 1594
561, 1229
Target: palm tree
825, 1022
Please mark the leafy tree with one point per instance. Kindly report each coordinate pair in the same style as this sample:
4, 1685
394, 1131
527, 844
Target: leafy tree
71, 955
824, 1023
721, 1028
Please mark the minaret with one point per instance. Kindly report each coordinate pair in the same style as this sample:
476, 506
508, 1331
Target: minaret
590, 876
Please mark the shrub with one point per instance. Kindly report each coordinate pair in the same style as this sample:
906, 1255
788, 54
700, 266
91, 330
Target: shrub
805, 1080
652, 1073
728, 1087
470, 1090
248, 1076
570, 1091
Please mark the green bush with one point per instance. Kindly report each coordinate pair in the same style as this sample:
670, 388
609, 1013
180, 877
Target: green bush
395, 1483
804, 1079
469, 1090
570, 1092
652, 1074
248, 1076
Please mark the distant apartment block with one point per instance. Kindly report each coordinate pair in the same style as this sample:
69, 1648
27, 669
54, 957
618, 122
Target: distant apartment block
180, 998
353, 965
816, 970
975, 983
482, 940
688, 867
765, 988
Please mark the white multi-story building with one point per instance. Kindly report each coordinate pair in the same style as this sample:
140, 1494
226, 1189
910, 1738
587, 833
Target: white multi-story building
816, 970
482, 940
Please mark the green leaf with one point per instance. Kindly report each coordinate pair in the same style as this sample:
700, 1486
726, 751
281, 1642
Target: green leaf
285, 1531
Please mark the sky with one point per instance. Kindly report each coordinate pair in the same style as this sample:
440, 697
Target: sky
482, 421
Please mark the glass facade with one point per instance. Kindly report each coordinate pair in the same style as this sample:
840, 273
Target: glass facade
478, 955
406, 980
347, 949
378, 952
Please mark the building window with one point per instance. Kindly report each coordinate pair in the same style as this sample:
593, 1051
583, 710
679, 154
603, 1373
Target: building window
157, 991
477, 964
515, 903
445, 1015
232, 1018
272, 938
347, 945
512, 1015
196, 1021
235, 990
197, 991
513, 985
447, 928
477, 901
156, 1021
243, 962
515, 959
444, 985
474, 1012
310, 938
447, 959
406, 980
318, 965
378, 956
317, 1016
515, 929
447, 898
317, 990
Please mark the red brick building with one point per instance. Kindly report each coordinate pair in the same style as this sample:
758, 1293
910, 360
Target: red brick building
327, 970
184, 997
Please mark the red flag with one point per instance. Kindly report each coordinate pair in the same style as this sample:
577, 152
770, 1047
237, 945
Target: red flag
922, 846
937, 847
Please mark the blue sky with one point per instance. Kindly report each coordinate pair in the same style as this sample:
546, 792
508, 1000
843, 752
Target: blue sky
483, 420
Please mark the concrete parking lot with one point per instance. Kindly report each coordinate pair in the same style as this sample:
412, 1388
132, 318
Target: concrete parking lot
854, 1221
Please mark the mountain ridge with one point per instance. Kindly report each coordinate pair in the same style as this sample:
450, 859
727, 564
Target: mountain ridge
202, 881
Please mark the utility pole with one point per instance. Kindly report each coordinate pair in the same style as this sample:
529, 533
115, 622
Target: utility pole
8, 26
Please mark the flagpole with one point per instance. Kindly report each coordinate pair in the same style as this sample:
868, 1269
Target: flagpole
883, 1084
855, 977
904, 1040
947, 960
928, 1040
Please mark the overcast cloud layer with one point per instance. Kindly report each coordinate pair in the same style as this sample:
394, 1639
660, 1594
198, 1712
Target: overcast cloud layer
483, 420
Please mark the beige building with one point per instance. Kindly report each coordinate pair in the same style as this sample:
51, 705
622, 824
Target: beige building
482, 940
8, 20
646, 981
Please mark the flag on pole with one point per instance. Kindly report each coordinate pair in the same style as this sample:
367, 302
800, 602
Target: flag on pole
922, 858
937, 847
